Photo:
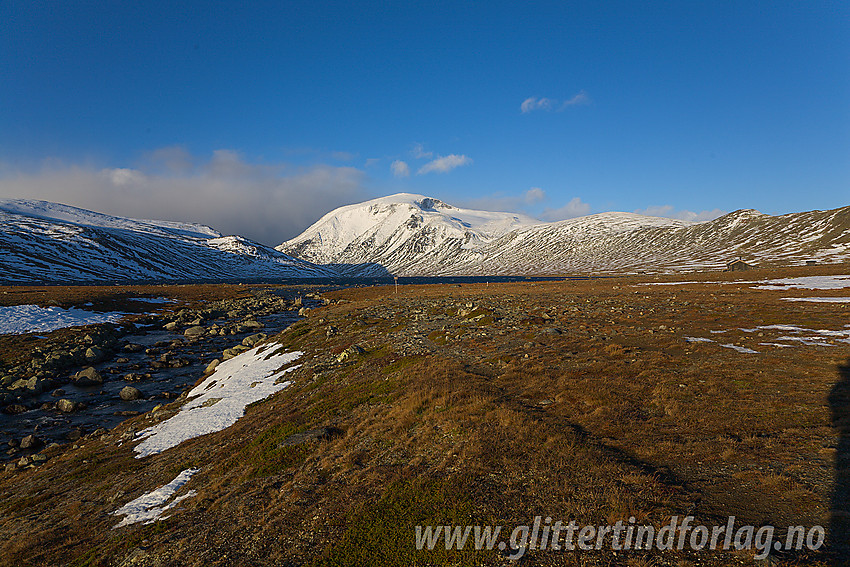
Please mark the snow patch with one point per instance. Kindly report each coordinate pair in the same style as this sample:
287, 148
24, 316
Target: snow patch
149, 507
744, 350
219, 401
819, 299
19, 319
806, 282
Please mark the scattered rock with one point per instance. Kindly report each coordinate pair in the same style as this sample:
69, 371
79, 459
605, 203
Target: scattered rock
350, 352
75, 434
129, 393
195, 331
94, 354
172, 326
66, 406
88, 377
31, 442
212, 365
14, 409
251, 340
235, 351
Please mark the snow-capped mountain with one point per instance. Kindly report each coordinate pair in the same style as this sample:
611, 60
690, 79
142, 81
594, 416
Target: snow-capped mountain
402, 232
49, 242
413, 235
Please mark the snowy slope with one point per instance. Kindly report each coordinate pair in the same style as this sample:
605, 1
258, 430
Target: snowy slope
414, 235
400, 232
50, 242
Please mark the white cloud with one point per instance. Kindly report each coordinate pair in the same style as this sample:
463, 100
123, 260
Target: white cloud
372, 162
420, 153
548, 104
533, 103
122, 176
575, 208
268, 203
580, 98
534, 195
668, 211
507, 203
444, 164
400, 168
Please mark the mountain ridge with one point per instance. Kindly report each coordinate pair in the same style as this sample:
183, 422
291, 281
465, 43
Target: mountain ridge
415, 235
52, 242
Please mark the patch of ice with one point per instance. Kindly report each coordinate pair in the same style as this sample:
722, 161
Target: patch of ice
777, 345
219, 401
739, 348
149, 507
19, 319
811, 341
806, 282
154, 299
698, 340
819, 299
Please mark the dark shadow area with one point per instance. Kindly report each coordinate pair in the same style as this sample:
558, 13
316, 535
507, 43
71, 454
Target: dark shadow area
839, 524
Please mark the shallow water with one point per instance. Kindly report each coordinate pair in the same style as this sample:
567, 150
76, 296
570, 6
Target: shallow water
104, 404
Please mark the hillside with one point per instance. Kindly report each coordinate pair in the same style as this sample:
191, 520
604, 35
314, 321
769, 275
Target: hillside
413, 235
50, 242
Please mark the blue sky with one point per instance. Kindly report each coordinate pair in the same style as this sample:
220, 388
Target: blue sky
258, 119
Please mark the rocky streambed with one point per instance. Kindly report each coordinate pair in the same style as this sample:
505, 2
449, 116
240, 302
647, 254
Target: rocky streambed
87, 382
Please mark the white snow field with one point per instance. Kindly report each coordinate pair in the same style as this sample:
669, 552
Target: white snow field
819, 299
220, 400
149, 507
806, 282
20, 319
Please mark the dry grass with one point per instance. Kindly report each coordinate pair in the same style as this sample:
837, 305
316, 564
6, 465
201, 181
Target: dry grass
613, 416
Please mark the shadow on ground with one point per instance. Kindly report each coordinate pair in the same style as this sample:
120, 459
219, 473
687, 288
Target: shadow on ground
839, 525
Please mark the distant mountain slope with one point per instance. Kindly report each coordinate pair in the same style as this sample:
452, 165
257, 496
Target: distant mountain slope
50, 242
403, 232
414, 235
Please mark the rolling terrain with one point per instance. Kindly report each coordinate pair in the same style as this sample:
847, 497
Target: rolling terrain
50, 242
413, 235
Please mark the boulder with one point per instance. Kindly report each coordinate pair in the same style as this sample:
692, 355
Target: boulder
66, 406
235, 351
94, 354
212, 365
350, 352
88, 377
171, 326
129, 393
195, 331
251, 340
31, 442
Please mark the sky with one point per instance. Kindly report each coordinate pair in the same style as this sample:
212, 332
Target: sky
259, 118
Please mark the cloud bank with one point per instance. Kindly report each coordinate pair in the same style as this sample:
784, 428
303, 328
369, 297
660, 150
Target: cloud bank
269, 203
574, 208
668, 211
